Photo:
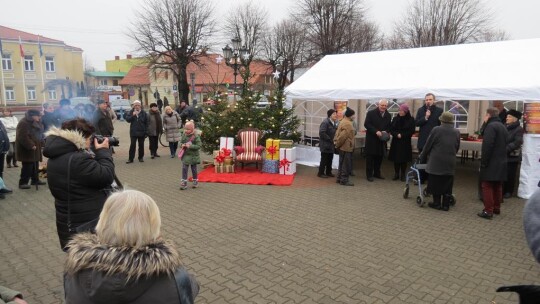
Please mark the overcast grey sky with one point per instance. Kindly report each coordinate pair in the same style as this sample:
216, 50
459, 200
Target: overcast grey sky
99, 26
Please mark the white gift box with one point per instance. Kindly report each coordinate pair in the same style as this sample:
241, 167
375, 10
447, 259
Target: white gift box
288, 169
288, 153
226, 142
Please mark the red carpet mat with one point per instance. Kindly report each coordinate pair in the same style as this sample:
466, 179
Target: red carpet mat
247, 175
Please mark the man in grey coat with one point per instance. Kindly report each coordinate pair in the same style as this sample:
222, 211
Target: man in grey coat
327, 130
493, 164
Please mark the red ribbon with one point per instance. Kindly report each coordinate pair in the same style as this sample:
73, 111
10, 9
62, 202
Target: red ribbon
272, 150
285, 164
226, 152
220, 158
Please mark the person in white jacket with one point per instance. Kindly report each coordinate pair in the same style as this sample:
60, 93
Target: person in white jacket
10, 123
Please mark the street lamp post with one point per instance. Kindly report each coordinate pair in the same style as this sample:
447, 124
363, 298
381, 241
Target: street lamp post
193, 99
233, 56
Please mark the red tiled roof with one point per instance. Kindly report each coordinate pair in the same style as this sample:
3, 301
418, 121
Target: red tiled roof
137, 75
9, 34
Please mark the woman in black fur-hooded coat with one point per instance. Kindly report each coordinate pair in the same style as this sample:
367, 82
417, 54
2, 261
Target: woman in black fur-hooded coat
91, 175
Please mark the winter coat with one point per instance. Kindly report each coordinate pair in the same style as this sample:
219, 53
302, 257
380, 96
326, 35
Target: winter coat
6, 295
344, 138
493, 162
65, 113
50, 119
376, 122
155, 125
10, 123
4, 139
97, 273
172, 124
188, 113
327, 131
90, 179
191, 155
426, 125
401, 148
103, 122
440, 150
514, 142
29, 133
138, 123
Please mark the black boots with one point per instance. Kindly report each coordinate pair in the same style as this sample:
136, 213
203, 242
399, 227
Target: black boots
444, 206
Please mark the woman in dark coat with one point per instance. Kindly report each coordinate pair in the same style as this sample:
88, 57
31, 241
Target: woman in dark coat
91, 175
440, 152
402, 129
513, 150
127, 261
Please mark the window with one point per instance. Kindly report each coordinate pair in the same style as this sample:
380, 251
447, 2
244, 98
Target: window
115, 82
103, 82
460, 109
31, 93
49, 64
28, 63
52, 94
6, 62
10, 93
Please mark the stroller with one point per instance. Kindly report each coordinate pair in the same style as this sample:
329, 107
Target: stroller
414, 175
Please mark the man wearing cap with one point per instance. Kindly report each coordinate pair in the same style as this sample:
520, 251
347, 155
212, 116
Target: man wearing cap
493, 164
65, 112
103, 121
427, 118
344, 142
377, 126
28, 147
440, 155
513, 150
138, 130
327, 131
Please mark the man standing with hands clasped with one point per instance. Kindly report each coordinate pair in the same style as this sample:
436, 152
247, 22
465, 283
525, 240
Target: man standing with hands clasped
138, 130
377, 126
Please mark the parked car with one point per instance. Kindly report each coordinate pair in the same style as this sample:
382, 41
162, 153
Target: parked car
120, 105
80, 100
262, 103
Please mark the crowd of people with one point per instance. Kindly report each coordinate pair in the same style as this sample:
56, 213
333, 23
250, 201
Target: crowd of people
438, 144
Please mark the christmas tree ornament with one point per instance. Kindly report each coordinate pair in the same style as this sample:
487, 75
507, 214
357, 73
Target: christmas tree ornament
232, 127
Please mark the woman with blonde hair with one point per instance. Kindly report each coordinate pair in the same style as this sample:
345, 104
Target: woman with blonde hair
126, 261
172, 124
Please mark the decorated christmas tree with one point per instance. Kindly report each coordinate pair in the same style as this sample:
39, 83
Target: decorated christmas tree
224, 119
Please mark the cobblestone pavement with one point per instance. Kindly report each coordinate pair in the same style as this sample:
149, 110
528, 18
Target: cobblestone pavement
312, 242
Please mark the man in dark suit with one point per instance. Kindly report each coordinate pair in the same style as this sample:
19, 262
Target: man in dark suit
427, 118
377, 126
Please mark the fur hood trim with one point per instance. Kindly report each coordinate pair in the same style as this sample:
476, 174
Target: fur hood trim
71, 135
86, 252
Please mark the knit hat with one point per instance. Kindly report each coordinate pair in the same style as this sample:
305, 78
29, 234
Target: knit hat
33, 112
404, 107
137, 102
64, 102
349, 112
447, 117
531, 223
516, 114
330, 112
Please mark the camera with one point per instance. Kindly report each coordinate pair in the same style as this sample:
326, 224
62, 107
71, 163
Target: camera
113, 141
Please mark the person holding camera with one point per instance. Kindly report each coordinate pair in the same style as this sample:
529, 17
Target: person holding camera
138, 130
80, 173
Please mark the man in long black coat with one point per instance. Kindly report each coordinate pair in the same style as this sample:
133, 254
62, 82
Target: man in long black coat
138, 130
377, 126
493, 163
427, 118
327, 131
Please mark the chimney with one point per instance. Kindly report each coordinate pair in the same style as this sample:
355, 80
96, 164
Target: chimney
116, 57
128, 56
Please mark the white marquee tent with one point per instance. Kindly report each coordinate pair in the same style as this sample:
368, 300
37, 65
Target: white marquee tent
506, 70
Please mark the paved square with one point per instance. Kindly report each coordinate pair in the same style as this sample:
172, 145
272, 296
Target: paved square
312, 242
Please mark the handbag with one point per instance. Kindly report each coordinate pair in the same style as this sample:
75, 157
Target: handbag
186, 290
183, 150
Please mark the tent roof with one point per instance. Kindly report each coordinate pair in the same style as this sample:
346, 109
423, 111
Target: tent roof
506, 70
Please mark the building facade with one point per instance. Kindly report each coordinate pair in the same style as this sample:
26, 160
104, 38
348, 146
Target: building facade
37, 69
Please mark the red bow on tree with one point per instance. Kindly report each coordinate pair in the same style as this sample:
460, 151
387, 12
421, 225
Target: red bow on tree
272, 150
285, 164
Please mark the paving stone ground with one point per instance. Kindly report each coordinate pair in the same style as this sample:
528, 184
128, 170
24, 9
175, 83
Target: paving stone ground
312, 242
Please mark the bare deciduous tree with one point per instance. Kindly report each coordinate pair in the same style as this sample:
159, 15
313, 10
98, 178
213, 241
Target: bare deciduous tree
283, 48
171, 33
249, 23
329, 24
365, 37
441, 22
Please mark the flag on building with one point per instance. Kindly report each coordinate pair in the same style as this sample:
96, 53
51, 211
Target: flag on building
21, 47
40, 48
